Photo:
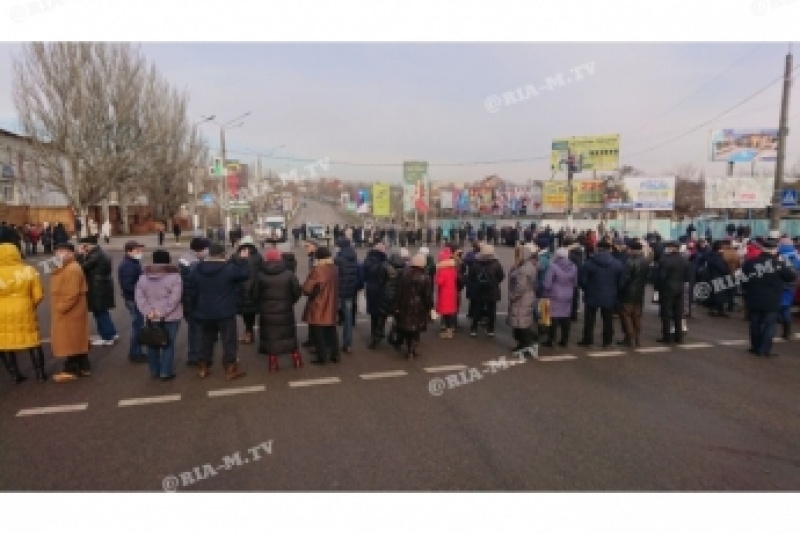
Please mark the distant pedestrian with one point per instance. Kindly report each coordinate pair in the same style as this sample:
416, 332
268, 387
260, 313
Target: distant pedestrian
176, 230
198, 250
446, 281
128, 272
600, 278
522, 297
631, 295
669, 277
350, 283
97, 268
247, 306
486, 275
160, 235
105, 231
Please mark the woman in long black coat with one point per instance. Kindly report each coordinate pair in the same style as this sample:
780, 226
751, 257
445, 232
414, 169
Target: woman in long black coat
373, 270
276, 291
247, 306
414, 303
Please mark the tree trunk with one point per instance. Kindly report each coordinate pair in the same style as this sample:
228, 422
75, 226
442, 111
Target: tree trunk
123, 209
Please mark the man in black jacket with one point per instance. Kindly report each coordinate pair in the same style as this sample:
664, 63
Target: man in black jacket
631, 296
766, 276
350, 283
215, 281
198, 250
600, 278
96, 266
716, 270
128, 273
669, 280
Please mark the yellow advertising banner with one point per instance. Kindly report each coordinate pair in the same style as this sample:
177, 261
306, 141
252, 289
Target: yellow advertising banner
593, 152
586, 194
381, 200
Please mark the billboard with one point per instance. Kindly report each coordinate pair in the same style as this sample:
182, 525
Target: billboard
641, 193
739, 192
586, 194
446, 198
594, 152
554, 196
414, 172
381, 200
744, 145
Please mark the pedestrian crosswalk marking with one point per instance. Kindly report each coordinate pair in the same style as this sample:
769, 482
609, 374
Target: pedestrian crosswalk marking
447, 368
312, 382
152, 399
388, 374
53, 409
605, 354
234, 391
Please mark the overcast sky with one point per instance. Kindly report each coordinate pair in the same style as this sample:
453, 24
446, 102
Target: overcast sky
386, 103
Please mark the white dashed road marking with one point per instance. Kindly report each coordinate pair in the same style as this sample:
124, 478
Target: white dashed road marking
237, 390
388, 374
448, 368
507, 362
734, 343
653, 349
695, 345
53, 409
152, 399
606, 354
312, 382
549, 358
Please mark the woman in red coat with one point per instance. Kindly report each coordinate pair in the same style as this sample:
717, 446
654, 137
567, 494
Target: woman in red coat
446, 282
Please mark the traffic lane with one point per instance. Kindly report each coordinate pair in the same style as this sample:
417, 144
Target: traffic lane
611, 424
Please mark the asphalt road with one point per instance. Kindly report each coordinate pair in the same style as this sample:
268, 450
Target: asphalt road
704, 416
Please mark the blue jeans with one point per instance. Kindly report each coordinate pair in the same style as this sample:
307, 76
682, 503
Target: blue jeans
346, 308
195, 339
105, 326
762, 330
135, 349
162, 360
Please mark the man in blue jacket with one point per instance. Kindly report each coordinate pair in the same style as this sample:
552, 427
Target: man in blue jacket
350, 283
128, 272
215, 282
601, 279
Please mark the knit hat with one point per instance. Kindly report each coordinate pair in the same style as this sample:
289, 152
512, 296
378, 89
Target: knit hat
636, 245
380, 247
404, 253
604, 245
322, 253
531, 248
445, 254
562, 252
198, 244
272, 254
774, 234
246, 240
418, 261
487, 249
771, 244
88, 240
161, 257
424, 250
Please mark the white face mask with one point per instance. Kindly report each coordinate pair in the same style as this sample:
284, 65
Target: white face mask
137, 256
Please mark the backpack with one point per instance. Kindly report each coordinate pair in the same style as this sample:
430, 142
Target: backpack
484, 277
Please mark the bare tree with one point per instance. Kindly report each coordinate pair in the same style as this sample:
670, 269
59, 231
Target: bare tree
102, 120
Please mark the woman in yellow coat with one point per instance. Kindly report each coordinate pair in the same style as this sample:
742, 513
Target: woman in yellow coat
20, 294
69, 312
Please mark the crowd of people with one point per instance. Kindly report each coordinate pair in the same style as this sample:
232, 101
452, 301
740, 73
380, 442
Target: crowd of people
403, 294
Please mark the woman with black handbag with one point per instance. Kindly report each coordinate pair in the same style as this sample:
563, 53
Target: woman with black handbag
158, 297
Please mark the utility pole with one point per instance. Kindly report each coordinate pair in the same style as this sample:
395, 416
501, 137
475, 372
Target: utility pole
783, 131
223, 182
570, 167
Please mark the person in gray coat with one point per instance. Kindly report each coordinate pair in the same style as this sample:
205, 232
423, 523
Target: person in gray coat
522, 298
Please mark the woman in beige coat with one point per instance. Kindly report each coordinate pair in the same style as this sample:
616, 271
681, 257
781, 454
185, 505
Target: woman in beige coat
69, 313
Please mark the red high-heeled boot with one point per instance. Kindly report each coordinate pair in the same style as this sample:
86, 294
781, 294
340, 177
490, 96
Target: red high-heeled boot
273, 363
297, 360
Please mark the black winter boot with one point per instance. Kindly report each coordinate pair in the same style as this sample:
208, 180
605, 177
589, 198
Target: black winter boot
10, 362
787, 330
37, 359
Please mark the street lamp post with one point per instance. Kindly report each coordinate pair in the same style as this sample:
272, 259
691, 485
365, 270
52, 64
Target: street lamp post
223, 185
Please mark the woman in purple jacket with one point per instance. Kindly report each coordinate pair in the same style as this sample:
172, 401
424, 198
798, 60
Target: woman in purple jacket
559, 286
158, 297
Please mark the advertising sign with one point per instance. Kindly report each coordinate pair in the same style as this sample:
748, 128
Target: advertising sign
739, 192
744, 145
594, 152
641, 193
586, 194
413, 173
381, 200
554, 196
446, 198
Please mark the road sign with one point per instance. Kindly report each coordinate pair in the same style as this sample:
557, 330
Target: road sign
789, 198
